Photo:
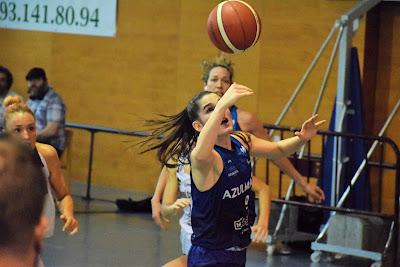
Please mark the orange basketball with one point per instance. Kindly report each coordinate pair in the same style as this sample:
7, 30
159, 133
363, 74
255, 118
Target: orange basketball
233, 26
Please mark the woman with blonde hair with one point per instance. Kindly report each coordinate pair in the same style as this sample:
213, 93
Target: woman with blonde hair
19, 121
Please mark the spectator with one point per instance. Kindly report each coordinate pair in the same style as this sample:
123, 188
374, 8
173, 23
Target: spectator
6, 81
49, 110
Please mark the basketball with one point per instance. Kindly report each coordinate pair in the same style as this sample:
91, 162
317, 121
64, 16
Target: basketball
233, 26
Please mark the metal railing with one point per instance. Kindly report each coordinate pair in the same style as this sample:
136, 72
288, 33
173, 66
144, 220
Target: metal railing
92, 129
378, 165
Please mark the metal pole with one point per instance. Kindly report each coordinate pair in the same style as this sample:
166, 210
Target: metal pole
341, 103
328, 72
89, 175
396, 212
360, 9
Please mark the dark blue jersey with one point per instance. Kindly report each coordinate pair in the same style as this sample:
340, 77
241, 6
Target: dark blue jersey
236, 127
220, 215
233, 110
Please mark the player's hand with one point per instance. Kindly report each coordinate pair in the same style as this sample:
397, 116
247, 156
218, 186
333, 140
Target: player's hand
234, 92
180, 204
314, 193
156, 214
309, 128
71, 225
260, 233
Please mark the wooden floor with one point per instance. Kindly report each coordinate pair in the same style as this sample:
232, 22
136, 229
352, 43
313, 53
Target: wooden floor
109, 238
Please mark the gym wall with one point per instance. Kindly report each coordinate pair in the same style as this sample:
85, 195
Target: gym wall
153, 66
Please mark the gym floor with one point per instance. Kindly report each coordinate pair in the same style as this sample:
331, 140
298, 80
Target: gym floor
109, 238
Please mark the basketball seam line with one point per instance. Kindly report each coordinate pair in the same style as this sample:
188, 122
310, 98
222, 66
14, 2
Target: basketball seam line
222, 29
256, 19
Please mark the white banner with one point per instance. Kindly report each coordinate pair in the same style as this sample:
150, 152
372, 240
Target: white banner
90, 17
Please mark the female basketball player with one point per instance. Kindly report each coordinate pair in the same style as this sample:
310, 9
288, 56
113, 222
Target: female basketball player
177, 198
20, 122
221, 172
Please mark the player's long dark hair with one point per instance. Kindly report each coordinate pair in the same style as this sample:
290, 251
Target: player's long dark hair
178, 134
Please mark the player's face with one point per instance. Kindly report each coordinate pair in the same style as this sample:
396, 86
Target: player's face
218, 81
22, 125
206, 106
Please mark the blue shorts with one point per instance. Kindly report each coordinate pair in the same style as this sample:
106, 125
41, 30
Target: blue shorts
203, 257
